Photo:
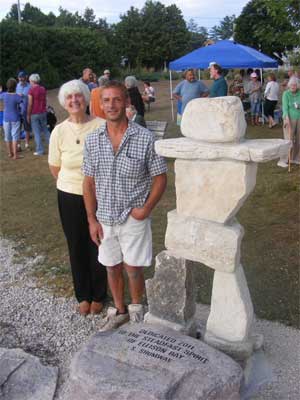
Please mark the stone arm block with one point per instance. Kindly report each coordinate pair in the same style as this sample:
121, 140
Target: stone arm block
211, 243
257, 150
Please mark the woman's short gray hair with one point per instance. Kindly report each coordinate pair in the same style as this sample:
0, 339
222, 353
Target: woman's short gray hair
293, 81
34, 78
72, 87
102, 80
130, 81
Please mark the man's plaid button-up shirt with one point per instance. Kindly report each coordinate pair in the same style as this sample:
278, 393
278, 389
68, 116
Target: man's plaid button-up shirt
123, 179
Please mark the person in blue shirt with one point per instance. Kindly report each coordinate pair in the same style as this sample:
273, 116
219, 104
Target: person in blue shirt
11, 117
23, 87
189, 89
219, 87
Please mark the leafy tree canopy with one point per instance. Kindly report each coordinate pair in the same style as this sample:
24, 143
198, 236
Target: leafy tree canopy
224, 30
152, 35
199, 34
268, 25
34, 16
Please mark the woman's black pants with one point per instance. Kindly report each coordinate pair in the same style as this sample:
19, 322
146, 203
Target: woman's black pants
89, 276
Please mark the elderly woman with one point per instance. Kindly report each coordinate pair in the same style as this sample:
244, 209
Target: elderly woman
65, 160
134, 94
37, 113
291, 120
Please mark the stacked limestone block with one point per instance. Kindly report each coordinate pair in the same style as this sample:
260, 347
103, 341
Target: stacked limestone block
215, 170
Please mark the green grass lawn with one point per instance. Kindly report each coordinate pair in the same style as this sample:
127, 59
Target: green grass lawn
270, 216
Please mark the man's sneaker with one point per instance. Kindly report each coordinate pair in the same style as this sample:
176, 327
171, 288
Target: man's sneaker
113, 320
282, 164
136, 313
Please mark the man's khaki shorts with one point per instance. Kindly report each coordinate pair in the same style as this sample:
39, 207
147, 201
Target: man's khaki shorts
130, 243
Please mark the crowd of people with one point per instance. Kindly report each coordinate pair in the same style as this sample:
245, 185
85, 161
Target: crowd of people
108, 175
24, 106
261, 99
24, 111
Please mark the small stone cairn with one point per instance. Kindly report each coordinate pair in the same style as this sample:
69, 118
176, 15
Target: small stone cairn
215, 170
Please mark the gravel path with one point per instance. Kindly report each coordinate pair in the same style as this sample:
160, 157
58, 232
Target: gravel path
31, 318
50, 328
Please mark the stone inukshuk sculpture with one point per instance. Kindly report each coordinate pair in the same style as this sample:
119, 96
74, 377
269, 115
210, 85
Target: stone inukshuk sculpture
215, 172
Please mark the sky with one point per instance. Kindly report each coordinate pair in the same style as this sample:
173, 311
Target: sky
206, 13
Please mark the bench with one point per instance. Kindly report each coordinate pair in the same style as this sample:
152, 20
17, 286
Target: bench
157, 127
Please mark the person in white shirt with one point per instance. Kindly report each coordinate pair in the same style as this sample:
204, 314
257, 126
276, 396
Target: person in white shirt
148, 95
271, 98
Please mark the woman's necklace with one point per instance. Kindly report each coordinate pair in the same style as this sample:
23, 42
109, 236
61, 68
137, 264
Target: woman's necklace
77, 134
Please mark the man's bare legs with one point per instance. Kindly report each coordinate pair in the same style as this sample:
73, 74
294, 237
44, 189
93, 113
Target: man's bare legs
116, 284
115, 280
136, 283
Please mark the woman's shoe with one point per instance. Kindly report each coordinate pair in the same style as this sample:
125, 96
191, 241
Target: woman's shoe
84, 308
96, 307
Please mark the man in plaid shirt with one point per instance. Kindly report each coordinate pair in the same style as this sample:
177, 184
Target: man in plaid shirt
124, 180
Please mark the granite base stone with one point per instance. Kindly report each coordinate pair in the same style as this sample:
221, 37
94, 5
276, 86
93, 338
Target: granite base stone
23, 377
170, 292
187, 328
239, 351
150, 362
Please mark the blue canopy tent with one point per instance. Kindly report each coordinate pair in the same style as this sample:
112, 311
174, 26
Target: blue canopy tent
226, 53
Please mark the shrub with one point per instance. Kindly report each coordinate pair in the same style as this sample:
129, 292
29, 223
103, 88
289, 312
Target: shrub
57, 54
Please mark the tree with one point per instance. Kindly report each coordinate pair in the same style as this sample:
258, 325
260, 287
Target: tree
270, 26
224, 30
198, 34
151, 36
31, 15
67, 19
12, 15
89, 18
58, 55
293, 9
177, 36
128, 36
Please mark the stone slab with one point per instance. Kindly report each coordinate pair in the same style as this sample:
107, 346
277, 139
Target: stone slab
23, 377
149, 362
215, 120
170, 293
213, 190
257, 150
188, 327
231, 312
211, 243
